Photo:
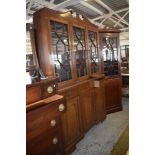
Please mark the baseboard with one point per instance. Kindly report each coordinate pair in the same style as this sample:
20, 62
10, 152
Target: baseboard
70, 148
114, 109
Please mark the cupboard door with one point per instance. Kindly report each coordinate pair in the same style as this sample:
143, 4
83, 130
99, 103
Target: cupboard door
87, 107
113, 95
99, 100
71, 121
79, 49
109, 43
61, 51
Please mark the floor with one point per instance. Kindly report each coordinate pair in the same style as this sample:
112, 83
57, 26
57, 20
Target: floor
122, 145
101, 139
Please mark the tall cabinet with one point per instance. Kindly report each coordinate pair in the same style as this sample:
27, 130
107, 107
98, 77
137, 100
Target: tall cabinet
68, 48
110, 54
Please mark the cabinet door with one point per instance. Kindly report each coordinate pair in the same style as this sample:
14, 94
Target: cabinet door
61, 51
110, 53
113, 95
94, 54
79, 49
71, 121
99, 100
87, 108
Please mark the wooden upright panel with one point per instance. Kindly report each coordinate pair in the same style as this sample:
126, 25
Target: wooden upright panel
99, 100
113, 94
86, 105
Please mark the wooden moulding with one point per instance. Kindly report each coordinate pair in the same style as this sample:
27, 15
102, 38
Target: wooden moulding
97, 76
39, 82
112, 30
74, 85
63, 16
52, 99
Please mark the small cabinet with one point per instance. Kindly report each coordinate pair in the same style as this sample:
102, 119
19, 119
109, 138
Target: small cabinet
43, 126
113, 94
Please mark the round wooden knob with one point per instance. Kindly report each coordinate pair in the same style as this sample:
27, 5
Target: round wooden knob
53, 123
55, 140
61, 107
50, 89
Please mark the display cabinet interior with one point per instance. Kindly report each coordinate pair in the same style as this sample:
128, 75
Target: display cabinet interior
110, 52
61, 50
124, 59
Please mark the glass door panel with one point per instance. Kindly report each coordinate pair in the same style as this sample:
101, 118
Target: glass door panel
110, 55
80, 51
60, 48
94, 51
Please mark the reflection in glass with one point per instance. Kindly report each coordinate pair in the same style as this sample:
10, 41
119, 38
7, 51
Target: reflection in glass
94, 51
124, 58
110, 55
60, 49
29, 52
124, 52
80, 51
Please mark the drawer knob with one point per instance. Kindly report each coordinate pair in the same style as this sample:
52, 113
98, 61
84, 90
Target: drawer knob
61, 107
53, 123
55, 140
49, 89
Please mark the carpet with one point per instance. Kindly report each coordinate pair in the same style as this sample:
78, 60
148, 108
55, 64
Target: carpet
122, 145
101, 139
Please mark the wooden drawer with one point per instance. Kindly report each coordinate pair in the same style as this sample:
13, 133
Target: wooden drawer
48, 89
44, 118
33, 94
41, 124
47, 143
40, 90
